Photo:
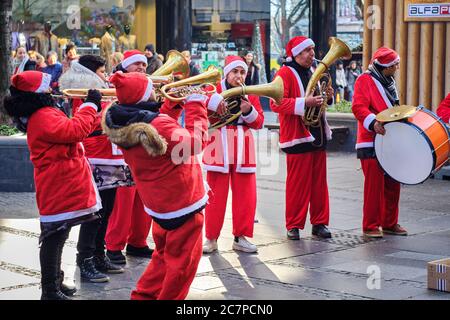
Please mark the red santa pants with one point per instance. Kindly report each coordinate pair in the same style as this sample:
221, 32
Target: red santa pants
243, 188
306, 186
174, 262
381, 197
129, 223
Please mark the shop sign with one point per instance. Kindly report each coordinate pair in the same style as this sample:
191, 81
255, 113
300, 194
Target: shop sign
427, 10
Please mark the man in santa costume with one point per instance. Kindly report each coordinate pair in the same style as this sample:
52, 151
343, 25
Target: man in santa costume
305, 146
129, 225
375, 91
443, 110
162, 158
229, 159
65, 191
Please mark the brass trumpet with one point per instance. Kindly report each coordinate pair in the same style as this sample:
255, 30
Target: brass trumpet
273, 90
178, 91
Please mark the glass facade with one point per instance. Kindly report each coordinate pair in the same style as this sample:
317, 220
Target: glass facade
82, 22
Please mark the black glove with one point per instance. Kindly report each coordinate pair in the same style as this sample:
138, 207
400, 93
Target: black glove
94, 96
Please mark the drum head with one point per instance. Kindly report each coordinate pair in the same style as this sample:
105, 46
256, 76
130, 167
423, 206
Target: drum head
404, 153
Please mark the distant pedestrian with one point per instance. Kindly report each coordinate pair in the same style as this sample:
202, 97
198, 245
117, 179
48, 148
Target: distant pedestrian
352, 74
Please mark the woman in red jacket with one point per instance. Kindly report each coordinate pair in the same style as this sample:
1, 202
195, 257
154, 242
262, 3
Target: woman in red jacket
65, 191
162, 158
237, 169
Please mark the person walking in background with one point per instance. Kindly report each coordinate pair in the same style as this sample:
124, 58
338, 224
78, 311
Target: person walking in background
54, 68
252, 77
341, 81
153, 62
352, 74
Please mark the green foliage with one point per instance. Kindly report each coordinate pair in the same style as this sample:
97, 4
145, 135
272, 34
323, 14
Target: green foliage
342, 106
6, 130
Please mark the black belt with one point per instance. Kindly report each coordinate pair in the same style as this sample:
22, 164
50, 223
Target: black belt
96, 133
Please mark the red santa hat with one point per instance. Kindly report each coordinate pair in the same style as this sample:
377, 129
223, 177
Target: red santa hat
232, 62
385, 57
132, 87
31, 81
132, 56
296, 45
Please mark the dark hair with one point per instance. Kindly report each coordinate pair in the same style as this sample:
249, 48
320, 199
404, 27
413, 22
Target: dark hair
150, 47
69, 47
92, 62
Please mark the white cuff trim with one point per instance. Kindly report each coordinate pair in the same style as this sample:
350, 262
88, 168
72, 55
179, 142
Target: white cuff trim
196, 97
299, 106
88, 104
252, 116
214, 102
368, 120
364, 145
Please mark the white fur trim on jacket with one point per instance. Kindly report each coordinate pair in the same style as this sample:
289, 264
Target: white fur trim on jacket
240, 152
178, 213
196, 97
368, 120
299, 106
382, 92
88, 104
214, 102
296, 141
251, 117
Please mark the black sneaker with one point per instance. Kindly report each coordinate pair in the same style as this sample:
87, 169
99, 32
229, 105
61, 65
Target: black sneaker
54, 295
103, 264
89, 272
68, 290
293, 234
321, 231
116, 257
144, 252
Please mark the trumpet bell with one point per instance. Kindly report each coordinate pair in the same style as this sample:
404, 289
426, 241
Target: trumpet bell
176, 64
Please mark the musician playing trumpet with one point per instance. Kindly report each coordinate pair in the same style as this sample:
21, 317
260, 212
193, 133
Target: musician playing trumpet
228, 159
306, 183
375, 91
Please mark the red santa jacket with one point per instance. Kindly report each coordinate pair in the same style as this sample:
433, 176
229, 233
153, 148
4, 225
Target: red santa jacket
98, 148
369, 99
64, 185
233, 144
162, 158
443, 110
291, 110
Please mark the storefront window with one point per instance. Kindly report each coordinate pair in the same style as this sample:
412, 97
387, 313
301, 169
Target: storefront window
82, 22
227, 27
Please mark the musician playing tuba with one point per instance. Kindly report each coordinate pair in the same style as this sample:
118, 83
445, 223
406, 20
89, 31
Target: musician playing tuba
306, 183
230, 158
375, 91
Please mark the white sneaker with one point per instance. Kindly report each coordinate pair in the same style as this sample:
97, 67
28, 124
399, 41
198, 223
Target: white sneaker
209, 246
244, 245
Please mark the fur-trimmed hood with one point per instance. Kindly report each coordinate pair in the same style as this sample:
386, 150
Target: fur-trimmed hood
134, 134
80, 77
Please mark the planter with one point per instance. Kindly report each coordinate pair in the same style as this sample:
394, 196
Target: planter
344, 127
16, 170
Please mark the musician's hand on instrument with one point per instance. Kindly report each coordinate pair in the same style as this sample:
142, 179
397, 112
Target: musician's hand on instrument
330, 93
246, 107
94, 96
222, 108
313, 101
379, 128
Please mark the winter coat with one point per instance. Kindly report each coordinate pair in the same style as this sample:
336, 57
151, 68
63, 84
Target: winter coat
153, 64
443, 110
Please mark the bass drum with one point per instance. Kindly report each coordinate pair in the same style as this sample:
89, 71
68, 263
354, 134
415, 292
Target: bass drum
414, 148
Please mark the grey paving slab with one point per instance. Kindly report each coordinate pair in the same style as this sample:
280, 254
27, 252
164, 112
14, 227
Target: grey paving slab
22, 292
9, 279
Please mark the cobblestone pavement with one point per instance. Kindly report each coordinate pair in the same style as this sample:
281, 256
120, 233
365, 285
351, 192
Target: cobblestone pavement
339, 268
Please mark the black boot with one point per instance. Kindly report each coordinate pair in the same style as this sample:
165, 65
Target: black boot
103, 264
68, 290
89, 272
53, 294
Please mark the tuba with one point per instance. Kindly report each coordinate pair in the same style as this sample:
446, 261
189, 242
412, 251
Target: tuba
203, 83
338, 49
176, 64
273, 90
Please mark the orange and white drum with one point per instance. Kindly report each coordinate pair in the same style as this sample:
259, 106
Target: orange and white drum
413, 148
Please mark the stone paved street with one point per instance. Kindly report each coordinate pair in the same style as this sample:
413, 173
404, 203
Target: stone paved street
307, 269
